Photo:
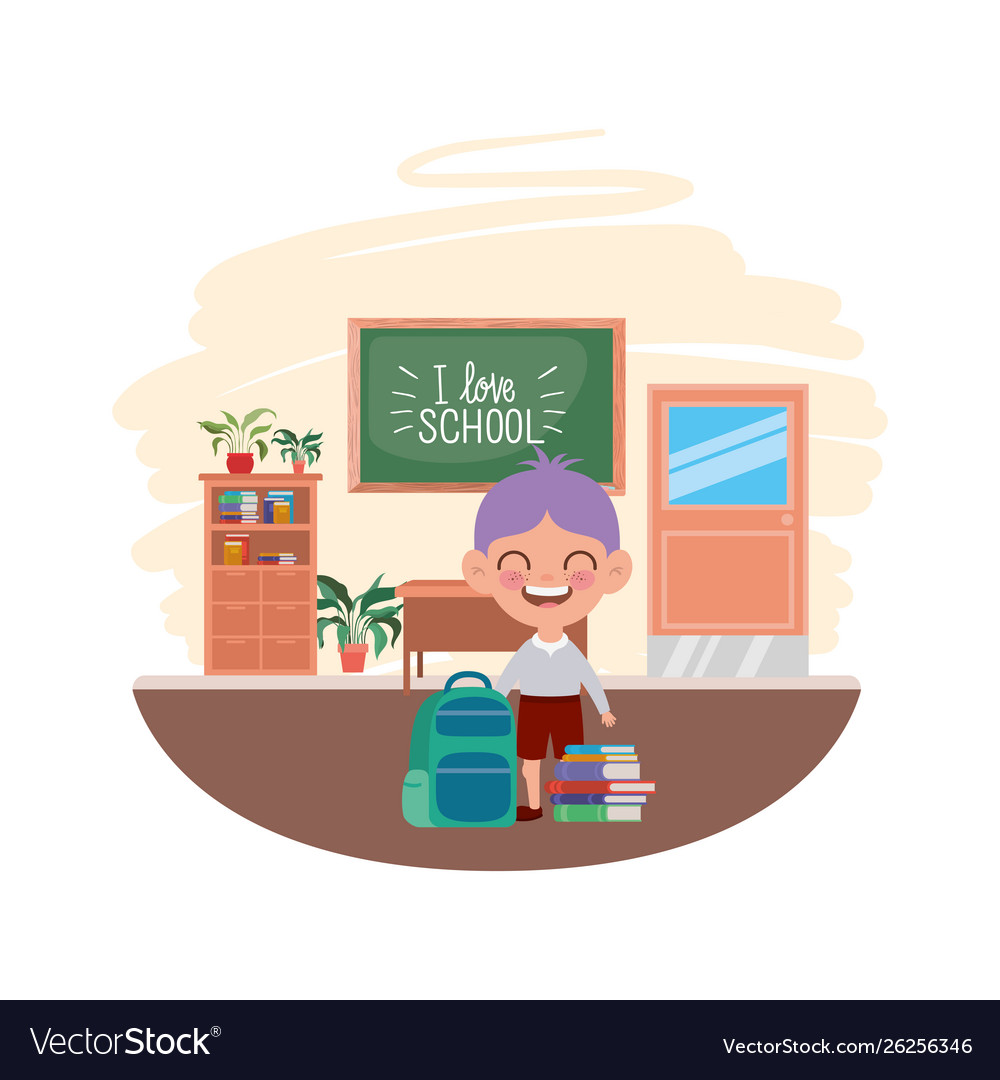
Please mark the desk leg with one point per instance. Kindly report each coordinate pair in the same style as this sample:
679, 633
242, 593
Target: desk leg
420, 665
406, 673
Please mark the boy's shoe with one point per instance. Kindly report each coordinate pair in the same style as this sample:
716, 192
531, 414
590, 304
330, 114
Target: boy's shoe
525, 813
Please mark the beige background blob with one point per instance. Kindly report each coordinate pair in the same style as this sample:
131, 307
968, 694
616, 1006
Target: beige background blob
276, 318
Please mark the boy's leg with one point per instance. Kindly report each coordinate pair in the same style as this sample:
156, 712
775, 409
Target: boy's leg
532, 744
532, 773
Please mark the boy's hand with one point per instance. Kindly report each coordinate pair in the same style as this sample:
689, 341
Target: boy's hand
608, 719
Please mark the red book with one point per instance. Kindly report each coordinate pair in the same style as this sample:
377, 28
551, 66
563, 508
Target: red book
600, 787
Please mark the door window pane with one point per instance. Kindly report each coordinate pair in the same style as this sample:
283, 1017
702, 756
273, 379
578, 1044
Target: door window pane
728, 455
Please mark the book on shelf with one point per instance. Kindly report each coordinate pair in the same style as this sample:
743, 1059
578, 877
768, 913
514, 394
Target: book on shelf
596, 748
231, 542
238, 508
277, 558
596, 800
597, 813
279, 508
597, 770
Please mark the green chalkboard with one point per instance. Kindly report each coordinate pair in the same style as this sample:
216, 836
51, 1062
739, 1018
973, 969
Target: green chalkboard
458, 404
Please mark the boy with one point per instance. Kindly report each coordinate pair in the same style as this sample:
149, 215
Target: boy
547, 551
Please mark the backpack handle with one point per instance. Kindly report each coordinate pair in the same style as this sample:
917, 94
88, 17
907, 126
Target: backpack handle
468, 675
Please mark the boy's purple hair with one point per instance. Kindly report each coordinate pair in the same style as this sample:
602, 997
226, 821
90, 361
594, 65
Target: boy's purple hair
573, 501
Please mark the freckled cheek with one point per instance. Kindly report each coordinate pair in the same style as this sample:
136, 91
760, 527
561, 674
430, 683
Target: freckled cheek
582, 579
512, 579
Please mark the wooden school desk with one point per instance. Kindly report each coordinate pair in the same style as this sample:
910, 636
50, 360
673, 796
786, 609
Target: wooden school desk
450, 616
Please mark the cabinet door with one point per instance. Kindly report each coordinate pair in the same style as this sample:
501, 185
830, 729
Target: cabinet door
286, 584
286, 654
288, 620
236, 619
235, 654
235, 585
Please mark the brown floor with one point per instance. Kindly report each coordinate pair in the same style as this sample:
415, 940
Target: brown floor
329, 771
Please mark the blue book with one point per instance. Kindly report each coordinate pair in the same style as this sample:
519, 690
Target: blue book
596, 800
596, 748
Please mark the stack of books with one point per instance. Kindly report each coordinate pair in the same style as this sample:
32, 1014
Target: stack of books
598, 783
238, 508
236, 549
279, 508
277, 558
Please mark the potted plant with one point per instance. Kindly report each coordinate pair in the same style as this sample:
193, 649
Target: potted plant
302, 450
240, 441
356, 619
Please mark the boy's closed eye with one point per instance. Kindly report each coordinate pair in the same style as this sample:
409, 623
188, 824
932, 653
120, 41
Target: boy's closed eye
514, 567
580, 569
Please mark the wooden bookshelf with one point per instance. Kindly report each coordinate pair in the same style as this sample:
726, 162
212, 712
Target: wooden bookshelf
261, 619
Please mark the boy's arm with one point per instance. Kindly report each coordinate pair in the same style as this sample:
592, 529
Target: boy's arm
592, 684
509, 676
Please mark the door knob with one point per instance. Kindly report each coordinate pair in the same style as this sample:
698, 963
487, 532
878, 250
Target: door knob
787, 519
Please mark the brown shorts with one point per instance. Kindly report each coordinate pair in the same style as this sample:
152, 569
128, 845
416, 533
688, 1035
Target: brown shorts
540, 717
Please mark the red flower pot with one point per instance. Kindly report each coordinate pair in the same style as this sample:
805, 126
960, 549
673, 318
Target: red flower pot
352, 657
239, 463
298, 466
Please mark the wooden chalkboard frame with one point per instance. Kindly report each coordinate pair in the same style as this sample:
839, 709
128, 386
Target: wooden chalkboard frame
354, 328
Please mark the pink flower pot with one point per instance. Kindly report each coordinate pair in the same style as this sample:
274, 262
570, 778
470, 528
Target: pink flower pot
239, 463
352, 657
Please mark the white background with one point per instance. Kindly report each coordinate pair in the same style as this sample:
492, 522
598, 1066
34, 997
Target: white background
847, 144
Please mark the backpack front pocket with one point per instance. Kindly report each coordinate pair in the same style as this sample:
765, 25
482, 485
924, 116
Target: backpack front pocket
473, 787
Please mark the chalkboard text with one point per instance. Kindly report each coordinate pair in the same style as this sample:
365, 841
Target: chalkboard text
494, 426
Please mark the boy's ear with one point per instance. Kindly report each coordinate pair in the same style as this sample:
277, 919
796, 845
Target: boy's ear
474, 566
617, 571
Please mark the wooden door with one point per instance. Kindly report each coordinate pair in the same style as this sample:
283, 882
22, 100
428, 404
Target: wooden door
728, 514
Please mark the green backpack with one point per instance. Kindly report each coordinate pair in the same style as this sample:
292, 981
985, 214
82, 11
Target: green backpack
462, 759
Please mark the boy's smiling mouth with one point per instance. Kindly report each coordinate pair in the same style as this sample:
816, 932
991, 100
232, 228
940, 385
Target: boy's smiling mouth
546, 598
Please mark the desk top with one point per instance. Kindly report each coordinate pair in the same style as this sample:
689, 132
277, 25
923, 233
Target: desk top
439, 587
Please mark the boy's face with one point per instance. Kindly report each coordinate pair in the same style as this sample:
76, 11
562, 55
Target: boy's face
547, 577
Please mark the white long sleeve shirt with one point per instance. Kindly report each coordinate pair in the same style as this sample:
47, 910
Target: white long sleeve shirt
555, 669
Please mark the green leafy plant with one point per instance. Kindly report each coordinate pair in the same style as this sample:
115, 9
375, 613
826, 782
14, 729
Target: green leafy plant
356, 619
304, 449
235, 434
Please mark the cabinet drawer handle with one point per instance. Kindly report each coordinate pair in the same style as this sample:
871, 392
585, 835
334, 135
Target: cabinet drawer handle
280, 642
230, 642
286, 573
285, 607
236, 573
236, 607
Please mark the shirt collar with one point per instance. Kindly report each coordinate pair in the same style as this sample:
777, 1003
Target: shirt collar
549, 646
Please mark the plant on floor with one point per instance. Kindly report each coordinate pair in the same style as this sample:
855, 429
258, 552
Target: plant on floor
304, 449
356, 619
239, 440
